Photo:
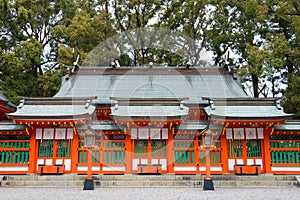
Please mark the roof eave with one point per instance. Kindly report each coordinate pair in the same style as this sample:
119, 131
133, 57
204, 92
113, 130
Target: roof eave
126, 117
58, 117
282, 117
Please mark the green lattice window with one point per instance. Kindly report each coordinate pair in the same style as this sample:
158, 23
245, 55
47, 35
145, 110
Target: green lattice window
253, 148
140, 148
235, 148
45, 148
114, 144
285, 156
114, 152
114, 156
15, 152
158, 148
182, 156
215, 157
285, 152
184, 151
82, 156
82, 153
63, 148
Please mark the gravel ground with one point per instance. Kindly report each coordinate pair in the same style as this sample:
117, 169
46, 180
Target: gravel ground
150, 193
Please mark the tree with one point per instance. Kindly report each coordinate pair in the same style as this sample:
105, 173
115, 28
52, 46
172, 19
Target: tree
83, 33
38, 38
264, 61
29, 47
136, 15
250, 29
291, 100
31, 22
191, 18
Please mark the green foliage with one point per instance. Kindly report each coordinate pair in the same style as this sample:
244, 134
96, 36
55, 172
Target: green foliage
262, 60
29, 47
83, 34
264, 34
291, 102
18, 81
135, 15
49, 82
131, 14
37, 37
189, 18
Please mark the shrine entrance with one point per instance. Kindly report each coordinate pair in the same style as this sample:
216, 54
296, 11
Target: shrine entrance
54, 149
245, 147
149, 150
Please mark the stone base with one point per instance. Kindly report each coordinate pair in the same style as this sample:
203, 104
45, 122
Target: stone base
89, 184
208, 184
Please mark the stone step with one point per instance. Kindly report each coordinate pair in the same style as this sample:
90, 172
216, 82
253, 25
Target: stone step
147, 181
44, 178
98, 183
258, 183
42, 183
249, 177
149, 177
104, 177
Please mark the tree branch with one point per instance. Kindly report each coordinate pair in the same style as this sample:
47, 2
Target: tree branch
2, 62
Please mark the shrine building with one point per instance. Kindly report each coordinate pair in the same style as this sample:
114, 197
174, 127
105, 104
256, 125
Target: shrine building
148, 120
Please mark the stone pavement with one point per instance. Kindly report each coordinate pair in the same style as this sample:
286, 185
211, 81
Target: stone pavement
274, 193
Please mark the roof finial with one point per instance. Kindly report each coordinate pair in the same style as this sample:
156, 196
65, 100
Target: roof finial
113, 64
151, 64
76, 66
188, 64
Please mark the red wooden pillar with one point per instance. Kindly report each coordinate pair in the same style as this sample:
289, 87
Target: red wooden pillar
224, 153
128, 154
197, 153
32, 152
102, 145
74, 152
54, 150
244, 150
149, 150
170, 151
132, 149
266, 153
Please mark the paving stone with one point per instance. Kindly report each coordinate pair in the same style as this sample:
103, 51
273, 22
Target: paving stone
150, 193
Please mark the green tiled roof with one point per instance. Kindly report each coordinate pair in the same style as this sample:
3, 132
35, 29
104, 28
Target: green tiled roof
12, 127
288, 126
53, 108
151, 83
245, 108
150, 111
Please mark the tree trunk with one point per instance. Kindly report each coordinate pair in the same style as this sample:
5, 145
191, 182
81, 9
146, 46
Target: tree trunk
255, 85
